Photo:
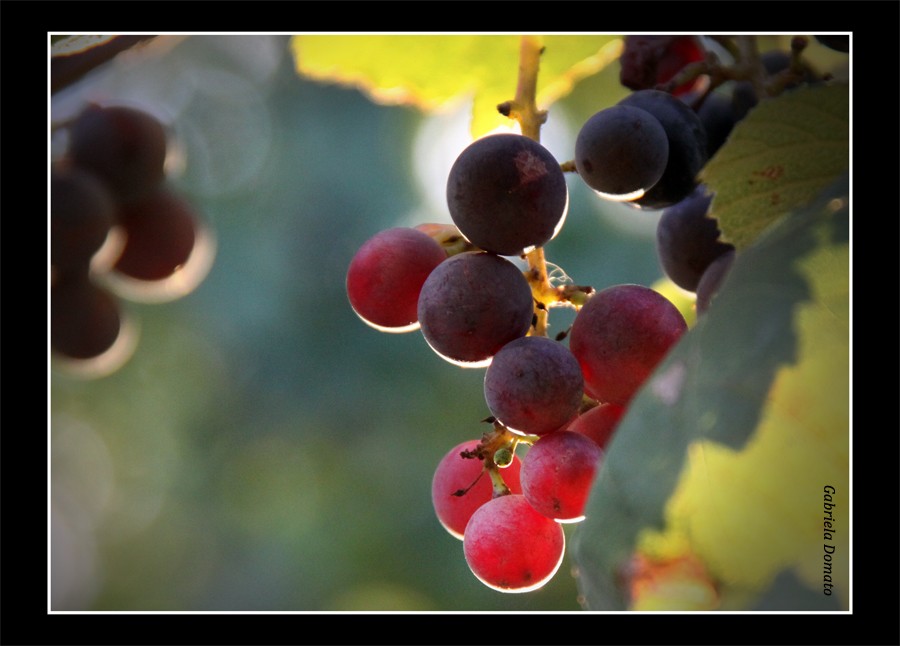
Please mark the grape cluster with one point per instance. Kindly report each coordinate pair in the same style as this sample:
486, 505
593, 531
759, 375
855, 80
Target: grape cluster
116, 225
459, 284
463, 285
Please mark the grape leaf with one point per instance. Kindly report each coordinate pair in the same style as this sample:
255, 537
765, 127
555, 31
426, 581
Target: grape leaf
433, 71
784, 152
719, 476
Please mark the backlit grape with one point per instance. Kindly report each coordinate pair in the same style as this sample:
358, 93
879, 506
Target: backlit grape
461, 485
620, 336
511, 547
386, 275
507, 194
472, 305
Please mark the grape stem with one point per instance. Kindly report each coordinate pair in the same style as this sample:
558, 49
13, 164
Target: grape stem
499, 487
747, 66
523, 108
498, 438
525, 111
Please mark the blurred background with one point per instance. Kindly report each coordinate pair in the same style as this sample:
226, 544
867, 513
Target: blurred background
263, 449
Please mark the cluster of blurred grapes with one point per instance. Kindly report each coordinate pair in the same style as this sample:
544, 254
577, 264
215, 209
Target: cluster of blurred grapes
118, 230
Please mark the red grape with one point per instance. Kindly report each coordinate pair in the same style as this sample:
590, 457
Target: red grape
454, 474
687, 147
712, 279
648, 61
598, 423
510, 547
557, 474
619, 336
687, 239
161, 230
386, 275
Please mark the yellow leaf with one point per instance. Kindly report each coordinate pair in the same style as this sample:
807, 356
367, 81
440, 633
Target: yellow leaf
782, 501
432, 72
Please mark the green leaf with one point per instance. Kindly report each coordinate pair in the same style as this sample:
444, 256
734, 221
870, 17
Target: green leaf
716, 477
434, 71
780, 156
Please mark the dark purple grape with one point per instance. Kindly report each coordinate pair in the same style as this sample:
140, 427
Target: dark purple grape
123, 146
161, 231
507, 194
621, 151
82, 211
712, 280
472, 305
718, 118
619, 337
85, 319
386, 275
534, 385
743, 99
687, 147
687, 239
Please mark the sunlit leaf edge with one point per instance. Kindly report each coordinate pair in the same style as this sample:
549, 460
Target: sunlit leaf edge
626, 500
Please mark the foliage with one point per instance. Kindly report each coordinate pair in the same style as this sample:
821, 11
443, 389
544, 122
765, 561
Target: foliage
711, 494
726, 455
780, 157
431, 71
210, 479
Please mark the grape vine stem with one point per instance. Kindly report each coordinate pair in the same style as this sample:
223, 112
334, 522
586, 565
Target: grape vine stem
524, 109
